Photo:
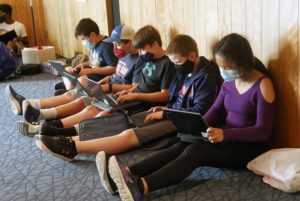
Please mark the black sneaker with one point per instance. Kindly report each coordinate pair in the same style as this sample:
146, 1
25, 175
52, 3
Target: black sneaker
59, 146
125, 181
102, 166
15, 100
28, 129
60, 85
30, 113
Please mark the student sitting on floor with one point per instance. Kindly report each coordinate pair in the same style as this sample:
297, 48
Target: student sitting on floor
241, 120
9, 24
153, 72
102, 62
194, 88
121, 80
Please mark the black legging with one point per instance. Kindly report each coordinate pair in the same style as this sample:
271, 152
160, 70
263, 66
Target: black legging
173, 164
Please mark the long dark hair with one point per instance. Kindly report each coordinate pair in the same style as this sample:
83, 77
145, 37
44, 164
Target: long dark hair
237, 50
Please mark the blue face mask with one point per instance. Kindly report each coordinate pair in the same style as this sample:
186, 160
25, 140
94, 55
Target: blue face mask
147, 57
87, 44
229, 75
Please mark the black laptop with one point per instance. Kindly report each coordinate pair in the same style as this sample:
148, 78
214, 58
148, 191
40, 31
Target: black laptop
10, 35
190, 125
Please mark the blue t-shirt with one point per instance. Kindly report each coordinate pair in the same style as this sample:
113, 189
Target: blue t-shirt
103, 55
124, 71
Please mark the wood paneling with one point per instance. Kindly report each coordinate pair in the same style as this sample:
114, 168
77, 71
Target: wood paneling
61, 18
22, 13
272, 27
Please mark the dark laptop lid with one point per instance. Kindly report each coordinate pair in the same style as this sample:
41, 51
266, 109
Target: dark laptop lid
10, 35
187, 123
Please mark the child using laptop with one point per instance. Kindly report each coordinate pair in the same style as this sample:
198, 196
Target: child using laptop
241, 120
121, 80
102, 62
153, 72
194, 88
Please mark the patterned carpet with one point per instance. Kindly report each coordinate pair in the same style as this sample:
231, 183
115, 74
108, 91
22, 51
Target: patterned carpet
28, 174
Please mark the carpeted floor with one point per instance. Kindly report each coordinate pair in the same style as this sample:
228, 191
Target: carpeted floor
26, 173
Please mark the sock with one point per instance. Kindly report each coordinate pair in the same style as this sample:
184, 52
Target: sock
55, 123
50, 113
53, 131
67, 132
35, 103
140, 185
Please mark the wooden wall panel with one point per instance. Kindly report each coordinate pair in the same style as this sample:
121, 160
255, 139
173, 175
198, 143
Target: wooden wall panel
272, 27
61, 18
22, 13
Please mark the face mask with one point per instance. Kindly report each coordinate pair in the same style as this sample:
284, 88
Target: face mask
147, 57
3, 19
229, 75
185, 68
87, 44
119, 53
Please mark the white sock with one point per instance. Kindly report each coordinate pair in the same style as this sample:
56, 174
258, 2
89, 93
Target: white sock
50, 113
35, 103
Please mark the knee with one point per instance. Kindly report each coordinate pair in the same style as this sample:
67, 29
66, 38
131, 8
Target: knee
91, 110
130, 136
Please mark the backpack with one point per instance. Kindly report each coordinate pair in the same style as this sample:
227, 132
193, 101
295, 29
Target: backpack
8, 62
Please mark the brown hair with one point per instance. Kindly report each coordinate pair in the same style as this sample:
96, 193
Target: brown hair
146, 35
183, 45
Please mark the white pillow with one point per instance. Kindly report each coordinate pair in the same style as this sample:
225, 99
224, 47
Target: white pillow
280, 168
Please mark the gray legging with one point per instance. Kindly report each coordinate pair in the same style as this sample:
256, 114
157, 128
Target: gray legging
173, 164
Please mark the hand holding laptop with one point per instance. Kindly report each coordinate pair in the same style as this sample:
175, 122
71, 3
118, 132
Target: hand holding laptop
215, 135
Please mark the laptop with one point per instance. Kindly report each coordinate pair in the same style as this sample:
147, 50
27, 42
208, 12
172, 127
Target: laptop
190, 125
72, 78
10, 35
106, 102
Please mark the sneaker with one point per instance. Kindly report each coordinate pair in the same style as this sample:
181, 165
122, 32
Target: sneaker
60, 85
58, 146
30, 113
59, 92
126, 182
15, 100
102, 166
45, 129
28, 129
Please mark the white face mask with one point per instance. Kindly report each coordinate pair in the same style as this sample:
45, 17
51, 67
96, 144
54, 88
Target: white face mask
229, 75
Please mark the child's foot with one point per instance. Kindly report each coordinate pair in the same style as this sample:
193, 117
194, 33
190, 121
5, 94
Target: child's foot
102, 166
15, 100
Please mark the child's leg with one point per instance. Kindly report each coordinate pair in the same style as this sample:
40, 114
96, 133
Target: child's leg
89, 112
157, 160
70, 108
111, 145
57, 100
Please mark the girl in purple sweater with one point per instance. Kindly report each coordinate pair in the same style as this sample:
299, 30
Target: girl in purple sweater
240, 120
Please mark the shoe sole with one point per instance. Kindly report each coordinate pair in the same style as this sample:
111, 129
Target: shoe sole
117, 176
14, 104
102, 170
43, 147
23, 128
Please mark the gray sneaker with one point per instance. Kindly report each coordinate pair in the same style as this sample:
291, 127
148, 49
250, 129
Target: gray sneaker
102, 166
28, 129
15, 100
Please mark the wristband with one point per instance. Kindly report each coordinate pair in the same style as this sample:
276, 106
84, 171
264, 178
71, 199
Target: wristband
110, 87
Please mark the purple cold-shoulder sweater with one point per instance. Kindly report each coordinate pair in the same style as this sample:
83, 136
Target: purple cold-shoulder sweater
245, 117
